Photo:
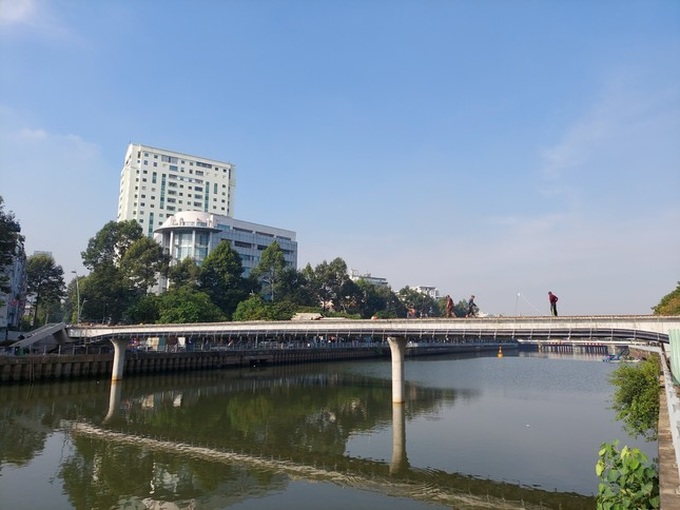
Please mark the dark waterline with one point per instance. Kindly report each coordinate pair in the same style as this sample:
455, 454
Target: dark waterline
473, 430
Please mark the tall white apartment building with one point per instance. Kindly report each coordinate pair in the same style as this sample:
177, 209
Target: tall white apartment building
155, 184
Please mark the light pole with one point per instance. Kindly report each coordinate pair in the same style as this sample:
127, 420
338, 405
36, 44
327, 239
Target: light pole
77, 297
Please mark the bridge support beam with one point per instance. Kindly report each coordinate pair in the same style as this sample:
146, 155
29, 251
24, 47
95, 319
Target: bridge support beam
398, 349
119, 346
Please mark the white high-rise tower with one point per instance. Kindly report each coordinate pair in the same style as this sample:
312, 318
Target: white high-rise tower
157, 183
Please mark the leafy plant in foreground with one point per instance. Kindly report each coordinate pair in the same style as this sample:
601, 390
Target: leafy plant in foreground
628, 481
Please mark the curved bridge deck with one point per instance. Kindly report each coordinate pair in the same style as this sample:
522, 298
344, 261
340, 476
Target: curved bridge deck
646, 328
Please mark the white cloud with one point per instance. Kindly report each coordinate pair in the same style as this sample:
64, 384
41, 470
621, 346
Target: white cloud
14, 12
58, 186
634, 122
32, 16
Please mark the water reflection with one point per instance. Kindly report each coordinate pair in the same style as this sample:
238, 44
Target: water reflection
208, 440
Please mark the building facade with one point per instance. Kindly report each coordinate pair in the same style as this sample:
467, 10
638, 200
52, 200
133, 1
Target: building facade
428, 290
378, 281
155, 184
193, 234
12, 303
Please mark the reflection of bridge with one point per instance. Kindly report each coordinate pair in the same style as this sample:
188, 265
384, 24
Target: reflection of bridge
396, 479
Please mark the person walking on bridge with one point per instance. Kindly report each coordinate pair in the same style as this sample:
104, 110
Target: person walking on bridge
553, 303
449, 307
472, 307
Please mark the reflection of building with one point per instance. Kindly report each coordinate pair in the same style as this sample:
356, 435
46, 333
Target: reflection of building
12, 303
194, 234
374, 280
157, 183
428, 290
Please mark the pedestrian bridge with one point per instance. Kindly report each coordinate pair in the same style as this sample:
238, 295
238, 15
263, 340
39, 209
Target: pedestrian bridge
644, 329
611, 329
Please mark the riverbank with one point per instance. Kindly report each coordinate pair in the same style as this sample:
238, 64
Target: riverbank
30, 368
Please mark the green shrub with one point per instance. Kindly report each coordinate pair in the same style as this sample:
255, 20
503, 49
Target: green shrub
636, 399
627, 480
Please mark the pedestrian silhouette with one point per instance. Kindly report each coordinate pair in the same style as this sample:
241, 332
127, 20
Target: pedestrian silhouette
449, 307
553, 303
472, 307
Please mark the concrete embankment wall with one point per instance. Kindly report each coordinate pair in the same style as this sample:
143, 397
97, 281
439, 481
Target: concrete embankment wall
18, 369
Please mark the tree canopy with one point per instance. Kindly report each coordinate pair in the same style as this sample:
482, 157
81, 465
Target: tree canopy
669, 304
221, 277
44, 284
11, 242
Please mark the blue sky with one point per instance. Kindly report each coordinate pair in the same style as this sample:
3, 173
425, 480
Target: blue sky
501, 148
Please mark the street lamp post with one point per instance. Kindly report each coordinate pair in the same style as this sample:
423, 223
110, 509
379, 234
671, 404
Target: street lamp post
77, 297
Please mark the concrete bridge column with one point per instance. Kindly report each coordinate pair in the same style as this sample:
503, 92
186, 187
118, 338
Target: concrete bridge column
397, 349
119, 346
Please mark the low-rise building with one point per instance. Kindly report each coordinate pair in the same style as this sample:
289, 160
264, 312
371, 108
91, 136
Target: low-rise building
428, 290
378, 281
193, 234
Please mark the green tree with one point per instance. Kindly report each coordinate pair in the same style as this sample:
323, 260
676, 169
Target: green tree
146, 310
252, 309
669, 304
105, 295
184, 274
124, 265
221, 277
257, 309
636, 398
11, 243
44, 284
309, 286
184, 305
292, 287
379, 301
331, 281
109, 245
424, 305
270, 269
143, 262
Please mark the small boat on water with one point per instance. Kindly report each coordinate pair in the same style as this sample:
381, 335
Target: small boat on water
620, 358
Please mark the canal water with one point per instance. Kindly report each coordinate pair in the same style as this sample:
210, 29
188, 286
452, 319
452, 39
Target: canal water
521, 431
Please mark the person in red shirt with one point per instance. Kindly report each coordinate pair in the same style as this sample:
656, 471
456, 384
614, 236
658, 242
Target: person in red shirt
553, 303
449, 307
